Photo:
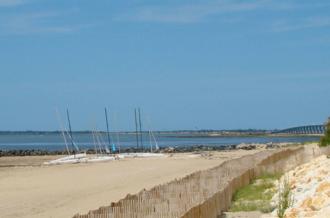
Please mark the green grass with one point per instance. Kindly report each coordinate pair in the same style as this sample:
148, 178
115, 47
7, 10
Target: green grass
285, 198
261, 206
271, 176
257, 195
309, 142
325, 140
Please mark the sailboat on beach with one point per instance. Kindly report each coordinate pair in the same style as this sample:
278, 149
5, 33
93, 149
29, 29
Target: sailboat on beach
139, 140
75, 156
105, 153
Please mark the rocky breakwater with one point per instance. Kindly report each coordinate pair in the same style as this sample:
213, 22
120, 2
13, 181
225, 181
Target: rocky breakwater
32, 152
310, 190
269, 145
181, 149
165, 149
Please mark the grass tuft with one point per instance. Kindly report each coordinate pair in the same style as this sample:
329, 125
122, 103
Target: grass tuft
285, 199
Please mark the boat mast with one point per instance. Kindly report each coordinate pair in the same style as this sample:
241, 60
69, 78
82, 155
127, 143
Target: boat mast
107, 122
70, 130
136, 129
62, 131
140, 125
115, 121
150, 140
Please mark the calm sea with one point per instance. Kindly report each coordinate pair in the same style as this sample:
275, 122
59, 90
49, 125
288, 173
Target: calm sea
85, 141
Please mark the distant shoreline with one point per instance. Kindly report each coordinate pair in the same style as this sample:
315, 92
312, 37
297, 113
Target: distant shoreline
235, 131
175, 133
242, 135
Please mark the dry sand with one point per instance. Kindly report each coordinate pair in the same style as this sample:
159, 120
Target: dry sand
31, 190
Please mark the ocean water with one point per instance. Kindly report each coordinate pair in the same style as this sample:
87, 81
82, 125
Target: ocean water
55, 141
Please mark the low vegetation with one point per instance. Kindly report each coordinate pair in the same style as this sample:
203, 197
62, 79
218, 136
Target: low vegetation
325, 140
257, 195
284, 197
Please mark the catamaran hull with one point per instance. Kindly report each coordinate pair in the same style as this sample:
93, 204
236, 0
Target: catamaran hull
82, 158
140, 155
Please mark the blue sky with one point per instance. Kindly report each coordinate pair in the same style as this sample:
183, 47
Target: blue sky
211, 64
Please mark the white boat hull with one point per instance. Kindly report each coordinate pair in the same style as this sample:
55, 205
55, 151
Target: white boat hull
82, 158
140, 155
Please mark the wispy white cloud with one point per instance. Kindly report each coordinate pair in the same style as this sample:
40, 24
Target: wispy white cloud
11, 3
196, 12
189, 12
30, 23
37, 22
306, 23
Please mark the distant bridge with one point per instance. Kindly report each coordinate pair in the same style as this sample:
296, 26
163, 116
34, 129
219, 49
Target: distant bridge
304, 130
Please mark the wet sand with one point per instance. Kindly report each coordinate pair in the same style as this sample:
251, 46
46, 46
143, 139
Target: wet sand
33, 190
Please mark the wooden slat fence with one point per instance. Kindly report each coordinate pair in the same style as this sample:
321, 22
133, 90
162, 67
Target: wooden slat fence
204, 193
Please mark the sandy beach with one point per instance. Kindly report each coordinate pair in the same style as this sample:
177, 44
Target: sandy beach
29, 189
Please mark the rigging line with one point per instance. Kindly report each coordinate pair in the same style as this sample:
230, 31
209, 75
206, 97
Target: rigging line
156, 143
94, 142
117, 130
140, 125
66, 132
62, 130
107, 123
150, 141
75, 146
152, 134
70, 131
102, 141
136, 130
97, 140
93, 135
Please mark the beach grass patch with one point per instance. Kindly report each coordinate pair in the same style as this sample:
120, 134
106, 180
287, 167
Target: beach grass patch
257, 195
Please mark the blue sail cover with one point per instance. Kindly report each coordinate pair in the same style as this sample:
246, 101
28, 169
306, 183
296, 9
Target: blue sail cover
113, 148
